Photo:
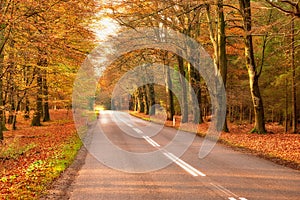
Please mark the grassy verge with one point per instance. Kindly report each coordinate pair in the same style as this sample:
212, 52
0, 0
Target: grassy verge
31, 158
41, 173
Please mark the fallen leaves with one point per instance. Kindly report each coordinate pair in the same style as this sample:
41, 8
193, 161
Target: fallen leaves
32, 157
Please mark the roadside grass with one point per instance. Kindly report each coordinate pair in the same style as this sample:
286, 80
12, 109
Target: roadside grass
13, 149
31, 158
277, 146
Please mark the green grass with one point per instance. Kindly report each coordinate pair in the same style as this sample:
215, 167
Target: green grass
41, 173
14, 149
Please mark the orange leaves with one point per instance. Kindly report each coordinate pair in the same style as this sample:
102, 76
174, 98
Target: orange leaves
281, 147
24, 175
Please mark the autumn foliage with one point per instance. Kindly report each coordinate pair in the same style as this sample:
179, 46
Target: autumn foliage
32, 157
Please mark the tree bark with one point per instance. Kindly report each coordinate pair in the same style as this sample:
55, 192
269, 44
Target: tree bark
169, 85
184, 103
294, 94
46, 113
36, 120
145, 100
140, 107
222, 51
259, 125
218, 40
1, 97
151, 98
196, 86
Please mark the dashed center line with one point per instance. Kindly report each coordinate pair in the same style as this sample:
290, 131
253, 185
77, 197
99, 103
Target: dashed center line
152, 142
191, 170
188, 168
227, 192
137, 130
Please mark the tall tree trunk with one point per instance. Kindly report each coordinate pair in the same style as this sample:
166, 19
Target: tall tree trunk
151, 98
294, 94
184, 103
145, 100
27, 109
1, 96
286, 106
169, 85
218, 39
222, 51
26, 80
11, 86
46, 113
140, 107
259, 125
36, 120
196, 86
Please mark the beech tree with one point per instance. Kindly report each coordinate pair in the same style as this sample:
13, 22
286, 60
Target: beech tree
259, 125
35, 37
290, 7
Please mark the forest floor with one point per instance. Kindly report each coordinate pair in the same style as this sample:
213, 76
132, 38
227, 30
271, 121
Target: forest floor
31, 158
277, 146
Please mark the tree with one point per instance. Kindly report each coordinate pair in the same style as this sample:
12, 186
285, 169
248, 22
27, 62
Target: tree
32, 31
294, 85
290, 7
259, 126
218, 40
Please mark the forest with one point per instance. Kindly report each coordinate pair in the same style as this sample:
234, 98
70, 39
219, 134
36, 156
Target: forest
43, 43
254, 46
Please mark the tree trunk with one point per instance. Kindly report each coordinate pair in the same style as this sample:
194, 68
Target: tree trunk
222, 51
184, 103
46, 113
294, 94
151, 98
170, 99
140, 107
259, 125
219, 43
27, 109
36, 120
145, 100
1, 97
194, 81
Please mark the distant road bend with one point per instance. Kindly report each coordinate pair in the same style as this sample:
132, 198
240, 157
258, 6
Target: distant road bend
223, 174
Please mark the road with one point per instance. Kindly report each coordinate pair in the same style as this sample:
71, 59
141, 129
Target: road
223, 174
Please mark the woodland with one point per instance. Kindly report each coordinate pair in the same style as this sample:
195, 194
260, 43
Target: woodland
43, 43
254, 46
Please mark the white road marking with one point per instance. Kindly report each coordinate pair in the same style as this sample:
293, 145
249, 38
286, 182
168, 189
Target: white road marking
227, 192
150, 141
193, 171
137, 130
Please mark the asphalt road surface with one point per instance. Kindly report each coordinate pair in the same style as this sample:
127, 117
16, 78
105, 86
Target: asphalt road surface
223, 174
